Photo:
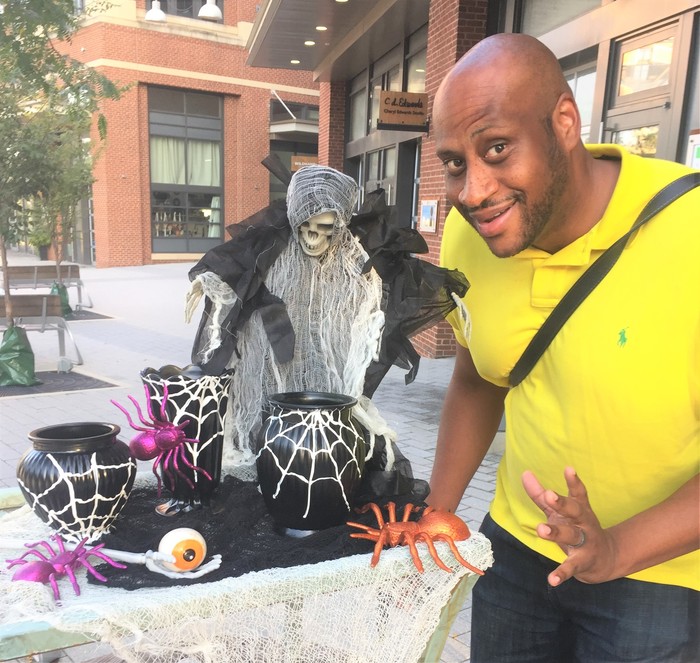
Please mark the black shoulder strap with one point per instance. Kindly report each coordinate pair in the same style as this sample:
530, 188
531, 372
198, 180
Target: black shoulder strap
592, 277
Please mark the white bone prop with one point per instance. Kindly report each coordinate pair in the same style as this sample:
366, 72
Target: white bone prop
176, 566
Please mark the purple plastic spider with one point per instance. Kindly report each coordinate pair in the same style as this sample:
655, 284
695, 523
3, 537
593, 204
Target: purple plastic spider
54, 564
162, 440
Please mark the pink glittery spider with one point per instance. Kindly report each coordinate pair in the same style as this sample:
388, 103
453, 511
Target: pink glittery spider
163, 441
53, 564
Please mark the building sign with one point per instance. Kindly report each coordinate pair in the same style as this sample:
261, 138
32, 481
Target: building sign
403, 110
301, 160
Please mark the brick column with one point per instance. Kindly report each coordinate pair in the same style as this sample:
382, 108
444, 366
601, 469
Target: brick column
454, 27
121, 204
331, 124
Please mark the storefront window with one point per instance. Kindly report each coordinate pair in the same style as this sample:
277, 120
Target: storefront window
415, 77
643, 67
381, 171
390, 80
283, 112
641, 141
189, 8
185, 163
390, 162
373, 172
582, 83
357, 109
358, 115
646, 68
167, 160
203, 163
374, 103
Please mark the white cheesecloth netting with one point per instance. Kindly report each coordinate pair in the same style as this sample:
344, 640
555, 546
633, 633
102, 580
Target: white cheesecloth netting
318, 189
335, 311
341, 610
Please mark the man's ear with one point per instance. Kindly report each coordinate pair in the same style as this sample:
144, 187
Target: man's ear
566, 121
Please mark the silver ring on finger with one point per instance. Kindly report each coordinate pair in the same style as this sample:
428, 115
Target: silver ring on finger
581, 541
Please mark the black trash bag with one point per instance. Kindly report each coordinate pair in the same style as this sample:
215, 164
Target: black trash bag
16, 359
61, 290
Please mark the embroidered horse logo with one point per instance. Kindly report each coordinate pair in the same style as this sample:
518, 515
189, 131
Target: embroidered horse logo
622, 337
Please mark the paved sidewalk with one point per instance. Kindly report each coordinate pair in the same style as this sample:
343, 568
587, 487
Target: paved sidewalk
146, 328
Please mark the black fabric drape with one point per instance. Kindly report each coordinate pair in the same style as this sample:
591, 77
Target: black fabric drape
416, 293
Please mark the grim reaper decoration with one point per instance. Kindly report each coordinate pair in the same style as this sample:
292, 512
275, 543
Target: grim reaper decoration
309, 295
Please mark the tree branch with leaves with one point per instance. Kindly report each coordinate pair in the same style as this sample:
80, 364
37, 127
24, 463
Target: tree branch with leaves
47, 101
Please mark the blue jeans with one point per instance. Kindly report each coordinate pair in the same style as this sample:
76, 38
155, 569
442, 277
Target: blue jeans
518, 618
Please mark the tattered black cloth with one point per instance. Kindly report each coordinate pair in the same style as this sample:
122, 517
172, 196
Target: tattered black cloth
239, 528
416, 293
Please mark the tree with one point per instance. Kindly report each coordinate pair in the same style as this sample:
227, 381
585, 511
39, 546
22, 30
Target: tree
44, 96
52, 210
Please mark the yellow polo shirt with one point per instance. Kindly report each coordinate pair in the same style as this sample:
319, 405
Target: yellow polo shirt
617, 393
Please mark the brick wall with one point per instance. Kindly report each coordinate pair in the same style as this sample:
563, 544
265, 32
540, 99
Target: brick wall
331, 124
454, 27
120, 170
139, 55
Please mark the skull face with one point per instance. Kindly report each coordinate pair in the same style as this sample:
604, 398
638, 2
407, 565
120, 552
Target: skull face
315, 234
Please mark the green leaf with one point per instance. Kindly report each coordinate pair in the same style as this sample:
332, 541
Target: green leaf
102, 126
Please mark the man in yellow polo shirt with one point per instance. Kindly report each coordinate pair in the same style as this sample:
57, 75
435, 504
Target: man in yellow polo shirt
595, 524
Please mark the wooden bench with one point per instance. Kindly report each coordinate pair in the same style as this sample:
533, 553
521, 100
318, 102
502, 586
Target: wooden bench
44, 275
41, 313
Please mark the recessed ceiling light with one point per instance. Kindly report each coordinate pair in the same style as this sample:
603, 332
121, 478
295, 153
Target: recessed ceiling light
341, 0
420, 71
321, 28
294, 61
308, 42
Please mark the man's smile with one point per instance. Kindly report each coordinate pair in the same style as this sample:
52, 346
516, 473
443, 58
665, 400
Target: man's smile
492, 221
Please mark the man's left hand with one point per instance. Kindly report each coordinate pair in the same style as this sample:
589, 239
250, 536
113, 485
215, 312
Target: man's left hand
574, 527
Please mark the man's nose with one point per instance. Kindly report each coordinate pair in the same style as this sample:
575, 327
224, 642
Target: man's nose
478, 186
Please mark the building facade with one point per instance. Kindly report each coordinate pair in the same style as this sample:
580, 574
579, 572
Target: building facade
182, 157
632, 64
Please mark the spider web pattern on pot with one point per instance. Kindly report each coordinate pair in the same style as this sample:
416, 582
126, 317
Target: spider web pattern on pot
196, 401
70, 519
322, 435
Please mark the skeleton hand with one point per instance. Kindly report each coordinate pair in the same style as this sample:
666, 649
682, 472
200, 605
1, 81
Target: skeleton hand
155, 562
194, 294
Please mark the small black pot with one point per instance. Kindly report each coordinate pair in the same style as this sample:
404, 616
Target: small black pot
310, 460
77, 477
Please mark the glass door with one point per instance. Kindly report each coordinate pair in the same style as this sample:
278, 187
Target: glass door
638, 132
381, 172
638, 116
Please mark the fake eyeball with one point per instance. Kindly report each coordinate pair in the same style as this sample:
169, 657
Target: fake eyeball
186, 545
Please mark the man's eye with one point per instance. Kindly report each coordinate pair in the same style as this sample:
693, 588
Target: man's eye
453, 166
496, 150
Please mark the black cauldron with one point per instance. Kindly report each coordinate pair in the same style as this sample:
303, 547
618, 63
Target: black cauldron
77, 477
311, 455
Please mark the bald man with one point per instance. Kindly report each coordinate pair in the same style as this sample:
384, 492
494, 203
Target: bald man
595, 524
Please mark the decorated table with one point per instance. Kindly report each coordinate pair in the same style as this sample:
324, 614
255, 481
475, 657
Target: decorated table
306, 309
334, 610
